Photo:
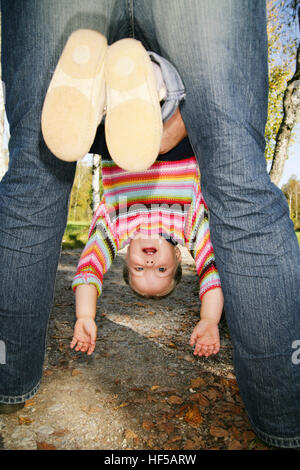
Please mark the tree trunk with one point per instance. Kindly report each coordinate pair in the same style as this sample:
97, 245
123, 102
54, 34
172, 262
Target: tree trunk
291, 115
95, 182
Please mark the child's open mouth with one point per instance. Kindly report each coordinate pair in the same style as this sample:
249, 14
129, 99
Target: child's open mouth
150, 251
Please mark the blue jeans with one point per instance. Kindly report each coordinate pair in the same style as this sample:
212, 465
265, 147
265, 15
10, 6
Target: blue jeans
220, 50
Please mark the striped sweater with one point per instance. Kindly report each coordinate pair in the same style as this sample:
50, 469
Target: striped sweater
165, 199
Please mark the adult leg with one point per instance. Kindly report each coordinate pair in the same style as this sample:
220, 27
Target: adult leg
34, 193
220, 50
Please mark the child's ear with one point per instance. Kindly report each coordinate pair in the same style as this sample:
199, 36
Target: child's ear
178, 254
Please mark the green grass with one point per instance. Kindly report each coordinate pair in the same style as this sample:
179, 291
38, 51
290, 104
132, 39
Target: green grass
76, 235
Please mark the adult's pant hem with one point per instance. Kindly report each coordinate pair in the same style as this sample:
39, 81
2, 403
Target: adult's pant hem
10, 400
276, 441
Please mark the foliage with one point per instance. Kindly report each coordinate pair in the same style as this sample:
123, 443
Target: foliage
282, 47
291, 190
80, 201
75, 236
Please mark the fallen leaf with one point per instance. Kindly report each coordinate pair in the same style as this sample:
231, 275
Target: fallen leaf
123, 405
172, 345
248, 436
189, 445
197, 383
211, 394
188, 358
151, 313
91, 409
200, 399
148, 425
236, 433
45, 446
230, 383
75, 372
175, 438
25, 420
29, 403
174, 400
154, 387
150, 443
47, 373
155, 333
235, 445
60, 432
181, 411
168, 428
130, 435
193, 416
218, 432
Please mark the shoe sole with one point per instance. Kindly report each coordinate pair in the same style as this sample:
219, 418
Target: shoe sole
74, 103
133, 124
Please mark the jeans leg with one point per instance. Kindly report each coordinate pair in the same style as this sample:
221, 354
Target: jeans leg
220, 50
34, 193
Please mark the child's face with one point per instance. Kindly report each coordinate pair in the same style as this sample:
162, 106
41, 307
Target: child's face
152, 263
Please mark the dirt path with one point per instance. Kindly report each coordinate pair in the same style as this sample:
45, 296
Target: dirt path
142, 388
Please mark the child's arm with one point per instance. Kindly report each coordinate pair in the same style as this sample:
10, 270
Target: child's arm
94, 262
205, 336
85, 331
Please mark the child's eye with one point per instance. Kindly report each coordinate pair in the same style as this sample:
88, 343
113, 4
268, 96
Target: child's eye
162, 270
139, 268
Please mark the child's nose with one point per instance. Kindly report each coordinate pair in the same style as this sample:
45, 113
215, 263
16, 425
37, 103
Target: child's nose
149, 262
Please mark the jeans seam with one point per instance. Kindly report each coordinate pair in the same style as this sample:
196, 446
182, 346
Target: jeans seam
13, 400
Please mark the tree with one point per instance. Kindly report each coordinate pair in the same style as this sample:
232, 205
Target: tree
291, 191
284, 93
96, 182
80, 201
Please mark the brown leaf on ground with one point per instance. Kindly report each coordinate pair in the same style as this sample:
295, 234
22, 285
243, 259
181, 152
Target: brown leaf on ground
193, 416
131, 436
75, 372
25, 420
167, 428
45, 446
188, 358
154, 387
181, 411
174, 400
218, 432
91, 409
248, 436
148, 425
47, 373
189, 445
200, 399
175, 438
29, 403
60, 432
236, 433
172, 345
230, 383
211, 394
235, 445
197, 383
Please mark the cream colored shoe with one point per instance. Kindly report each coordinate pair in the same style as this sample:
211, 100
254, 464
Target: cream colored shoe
73, 107
133, 124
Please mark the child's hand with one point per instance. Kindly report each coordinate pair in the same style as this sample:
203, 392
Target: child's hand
206, 338
85, 334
